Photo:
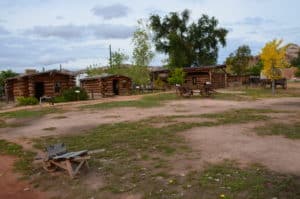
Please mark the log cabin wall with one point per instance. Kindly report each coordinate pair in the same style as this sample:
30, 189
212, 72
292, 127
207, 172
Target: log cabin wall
104, 86
52, 84
196, 80
218, 80
197, 76
240, 79
92, 87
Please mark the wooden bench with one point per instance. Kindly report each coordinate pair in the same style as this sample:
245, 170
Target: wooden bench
57, 156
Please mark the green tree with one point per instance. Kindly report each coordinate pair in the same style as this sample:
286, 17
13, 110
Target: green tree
296, 62
238, 62
142, 54
256, 69
118, 59
3, 76
177, 76
187, 44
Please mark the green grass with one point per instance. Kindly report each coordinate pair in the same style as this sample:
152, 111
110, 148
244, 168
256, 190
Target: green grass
291, 131
29, 113
134, 155
256, 93
50, 129
25, 158
146, 102
251, 182
4, 124
234, 116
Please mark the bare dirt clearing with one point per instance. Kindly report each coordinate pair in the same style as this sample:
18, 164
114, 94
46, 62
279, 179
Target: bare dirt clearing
238, 142
211, 144
74, 122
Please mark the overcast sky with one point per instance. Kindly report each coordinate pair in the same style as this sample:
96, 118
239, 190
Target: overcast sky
77, 33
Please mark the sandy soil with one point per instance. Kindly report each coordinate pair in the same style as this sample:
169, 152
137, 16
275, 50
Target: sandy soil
11, 187
240, 143
80, 121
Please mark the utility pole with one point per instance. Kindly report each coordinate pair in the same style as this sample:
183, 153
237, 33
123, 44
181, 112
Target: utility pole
110, 59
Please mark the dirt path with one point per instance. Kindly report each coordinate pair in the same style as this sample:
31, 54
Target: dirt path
11, 187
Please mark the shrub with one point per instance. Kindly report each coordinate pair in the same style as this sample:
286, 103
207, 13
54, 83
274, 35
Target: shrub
25, 101
297, 73
70, 95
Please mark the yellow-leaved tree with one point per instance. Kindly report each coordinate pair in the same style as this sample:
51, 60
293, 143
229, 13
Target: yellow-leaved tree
273, 56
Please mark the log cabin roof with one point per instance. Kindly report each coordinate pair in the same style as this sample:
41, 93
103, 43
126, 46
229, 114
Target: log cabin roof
103, 76
50, 72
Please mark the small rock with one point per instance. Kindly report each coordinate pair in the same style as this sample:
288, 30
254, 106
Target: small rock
26, 189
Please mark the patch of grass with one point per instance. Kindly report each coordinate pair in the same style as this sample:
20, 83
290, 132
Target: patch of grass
29, 113
238, 116
252, 182
291, 131
3, 124
135, 152
146, 102
25, 158
60, 117
50, 129
256, 93
232, 117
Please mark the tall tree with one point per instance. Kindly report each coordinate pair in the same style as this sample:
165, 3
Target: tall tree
296, 62
238, 62
3, 76
118, 58
186, 44
142, 54
273, 56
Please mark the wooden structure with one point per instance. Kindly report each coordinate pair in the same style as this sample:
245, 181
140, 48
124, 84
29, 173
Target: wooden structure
278, 82
58, 157
107, 85
207, 90
238, 80
49, 83
196, 77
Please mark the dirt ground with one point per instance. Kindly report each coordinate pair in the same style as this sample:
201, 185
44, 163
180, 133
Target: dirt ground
214, 144
11, 187
76, 121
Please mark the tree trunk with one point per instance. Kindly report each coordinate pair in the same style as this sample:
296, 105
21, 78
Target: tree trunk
273, 86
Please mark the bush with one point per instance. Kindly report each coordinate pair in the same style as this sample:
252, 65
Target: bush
297, 73
25, 101
70, 95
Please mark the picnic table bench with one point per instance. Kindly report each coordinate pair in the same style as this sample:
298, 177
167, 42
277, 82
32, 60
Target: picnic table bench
205, 90
57, 156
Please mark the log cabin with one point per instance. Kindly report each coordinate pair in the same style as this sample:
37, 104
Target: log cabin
34, 84
195, 77
107, 85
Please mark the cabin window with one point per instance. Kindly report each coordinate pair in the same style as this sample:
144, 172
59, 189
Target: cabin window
194, 80
57, 87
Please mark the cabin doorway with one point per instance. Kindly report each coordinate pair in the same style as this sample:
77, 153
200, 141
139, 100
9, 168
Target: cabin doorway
116, 86
39, 90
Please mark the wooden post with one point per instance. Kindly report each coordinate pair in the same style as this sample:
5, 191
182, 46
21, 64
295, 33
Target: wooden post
226, 80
